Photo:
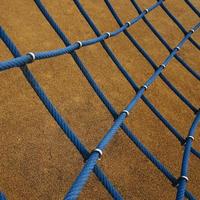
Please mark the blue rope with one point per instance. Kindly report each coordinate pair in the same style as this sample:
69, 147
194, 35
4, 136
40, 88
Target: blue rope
182, 181
148, 58
119, 119
58, 118
164, 42
25, 59
179, 25
102, 97
2, 196
192, 7
130, 80
85, 172
104, 100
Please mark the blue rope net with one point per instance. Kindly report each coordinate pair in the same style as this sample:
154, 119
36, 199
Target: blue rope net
91, 159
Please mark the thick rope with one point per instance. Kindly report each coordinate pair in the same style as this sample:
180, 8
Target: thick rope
85, 172
92, 158
2, 196
194, 9
105, 101
149, 59
128, 77
182, 181
58, 118
25, 59
164, 42
179, 25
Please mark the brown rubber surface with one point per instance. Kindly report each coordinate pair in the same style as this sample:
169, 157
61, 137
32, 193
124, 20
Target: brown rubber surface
37, 161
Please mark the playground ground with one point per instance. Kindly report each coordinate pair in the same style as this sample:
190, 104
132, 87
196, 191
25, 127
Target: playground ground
37, 160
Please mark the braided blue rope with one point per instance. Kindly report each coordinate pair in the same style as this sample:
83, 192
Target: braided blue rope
2, 196
164, 42
58, 118
157, 163
185, 162
127, 76
196, 11
154, 160
85, 172
179, 25
25, 59
106, 102
148, 58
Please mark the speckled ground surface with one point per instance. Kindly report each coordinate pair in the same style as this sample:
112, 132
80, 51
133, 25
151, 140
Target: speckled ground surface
37, 161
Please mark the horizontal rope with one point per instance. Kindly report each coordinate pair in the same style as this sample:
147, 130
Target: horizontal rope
25, 59
58, 118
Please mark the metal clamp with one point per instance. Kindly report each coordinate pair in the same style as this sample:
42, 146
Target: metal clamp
191, 137
191, 30
32, 55
108, 34
146, 10
175, 184
99, 151
184, 177
163, 65
145, 87
126, 112
188, 137
80, 44
178, 48
128, 23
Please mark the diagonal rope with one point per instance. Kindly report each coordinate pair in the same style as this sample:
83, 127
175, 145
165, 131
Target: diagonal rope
2, 196
86, 170
194, 9
179, 25
25, 59
128, 77
164, 42
58, 118
92, 158
107, 104
148, 58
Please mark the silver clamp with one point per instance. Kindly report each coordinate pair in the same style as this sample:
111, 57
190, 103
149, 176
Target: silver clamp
145, 87
188, 137
191, 30
99, 151
177, 181
191, 137
178, 48
108, 34
80, 44
184, 177
163, 65
128, 23
32, 55
146, 10
126, 112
